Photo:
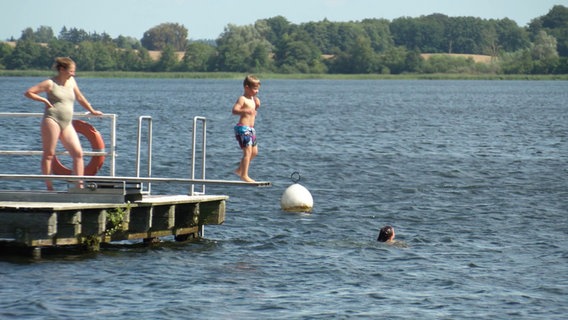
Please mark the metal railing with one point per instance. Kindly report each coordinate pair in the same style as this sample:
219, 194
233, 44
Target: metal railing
196, 120
112, 149
203, 120
112, 154
139, 146
112, 145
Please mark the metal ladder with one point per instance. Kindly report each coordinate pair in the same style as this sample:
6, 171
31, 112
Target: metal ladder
196, 120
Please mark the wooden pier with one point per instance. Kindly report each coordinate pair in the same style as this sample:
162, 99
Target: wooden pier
43, 224
109, 208
106, 209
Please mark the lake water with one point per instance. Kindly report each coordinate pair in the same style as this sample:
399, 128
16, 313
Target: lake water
472, 175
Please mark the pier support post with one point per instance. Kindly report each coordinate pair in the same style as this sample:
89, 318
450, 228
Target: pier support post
36, 253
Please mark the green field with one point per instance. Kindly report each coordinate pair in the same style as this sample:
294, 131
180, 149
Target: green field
236, 75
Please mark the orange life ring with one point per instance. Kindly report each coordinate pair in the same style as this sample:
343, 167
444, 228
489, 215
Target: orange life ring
97, 145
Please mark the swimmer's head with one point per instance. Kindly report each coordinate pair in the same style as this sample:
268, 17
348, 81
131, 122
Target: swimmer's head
386, 234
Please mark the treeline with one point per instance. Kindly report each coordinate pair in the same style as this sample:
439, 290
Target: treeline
370, 46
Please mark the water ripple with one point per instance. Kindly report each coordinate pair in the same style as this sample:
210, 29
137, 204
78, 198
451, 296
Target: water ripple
471, 174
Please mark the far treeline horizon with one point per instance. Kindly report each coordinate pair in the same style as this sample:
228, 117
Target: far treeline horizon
429, 44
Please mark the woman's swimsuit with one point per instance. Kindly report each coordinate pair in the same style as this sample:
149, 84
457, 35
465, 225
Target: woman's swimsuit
62, 98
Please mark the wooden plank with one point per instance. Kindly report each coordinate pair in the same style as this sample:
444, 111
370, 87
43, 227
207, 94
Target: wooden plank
147, 200
67, 241
93, 221
68, 224
55, 206
47, 224
26, 226
140, 219
179, 199
159, 233
182, 231
40, 243
212, 212
163, 217
186, 215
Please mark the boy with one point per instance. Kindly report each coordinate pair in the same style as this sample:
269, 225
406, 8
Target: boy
246, 108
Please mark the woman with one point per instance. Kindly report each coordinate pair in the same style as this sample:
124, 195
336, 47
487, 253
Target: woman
61, 92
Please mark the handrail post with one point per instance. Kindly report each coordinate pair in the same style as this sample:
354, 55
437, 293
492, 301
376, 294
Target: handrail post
203, 156
113, 145
138, 148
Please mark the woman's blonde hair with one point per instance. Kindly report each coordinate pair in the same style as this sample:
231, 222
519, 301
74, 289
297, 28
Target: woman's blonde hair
63, 62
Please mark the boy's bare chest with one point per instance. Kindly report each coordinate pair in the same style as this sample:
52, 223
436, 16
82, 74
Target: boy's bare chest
250, 103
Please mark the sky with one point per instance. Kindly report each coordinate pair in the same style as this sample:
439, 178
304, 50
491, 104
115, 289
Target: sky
207, 19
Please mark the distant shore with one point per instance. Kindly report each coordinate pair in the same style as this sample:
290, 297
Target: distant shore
299, 76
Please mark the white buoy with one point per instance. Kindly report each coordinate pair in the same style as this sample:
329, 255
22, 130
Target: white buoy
297, 198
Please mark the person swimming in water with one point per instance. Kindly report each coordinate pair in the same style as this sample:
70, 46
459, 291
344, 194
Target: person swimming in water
386, 234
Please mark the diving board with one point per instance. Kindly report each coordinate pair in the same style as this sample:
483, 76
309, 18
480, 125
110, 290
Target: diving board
126, 179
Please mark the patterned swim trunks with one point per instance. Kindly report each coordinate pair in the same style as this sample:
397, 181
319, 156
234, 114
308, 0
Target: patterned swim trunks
245, 135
